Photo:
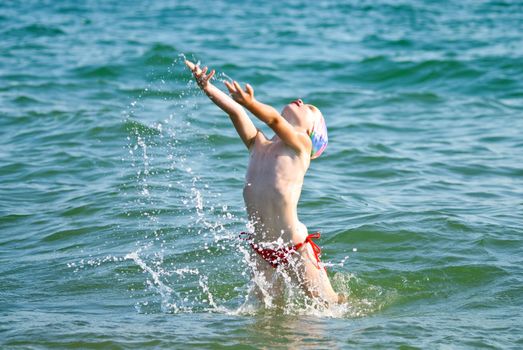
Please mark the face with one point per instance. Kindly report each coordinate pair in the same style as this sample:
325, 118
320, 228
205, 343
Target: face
300, 114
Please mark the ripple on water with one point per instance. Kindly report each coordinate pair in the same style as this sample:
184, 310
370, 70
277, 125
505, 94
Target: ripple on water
34, 30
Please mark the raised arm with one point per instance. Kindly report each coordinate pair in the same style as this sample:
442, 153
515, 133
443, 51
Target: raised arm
241, 121
269, 116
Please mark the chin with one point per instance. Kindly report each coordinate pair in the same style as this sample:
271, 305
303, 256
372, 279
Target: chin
288, 108
288, 113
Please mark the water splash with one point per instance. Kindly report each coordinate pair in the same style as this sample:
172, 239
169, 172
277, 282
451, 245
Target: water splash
165, 291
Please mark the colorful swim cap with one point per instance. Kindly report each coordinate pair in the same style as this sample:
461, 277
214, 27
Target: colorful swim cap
319, 137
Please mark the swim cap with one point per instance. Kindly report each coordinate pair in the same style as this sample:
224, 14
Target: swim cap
318, 137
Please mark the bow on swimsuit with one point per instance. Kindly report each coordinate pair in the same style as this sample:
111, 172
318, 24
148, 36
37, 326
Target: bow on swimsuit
277, 257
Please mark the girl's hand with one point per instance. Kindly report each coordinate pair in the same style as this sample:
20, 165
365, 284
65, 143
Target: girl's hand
201, 76
245, 98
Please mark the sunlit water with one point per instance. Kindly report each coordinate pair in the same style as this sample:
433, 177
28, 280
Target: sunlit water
120, 195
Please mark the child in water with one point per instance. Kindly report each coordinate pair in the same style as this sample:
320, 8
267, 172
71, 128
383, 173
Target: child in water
273, 184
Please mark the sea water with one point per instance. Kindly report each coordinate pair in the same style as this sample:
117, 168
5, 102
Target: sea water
120, 192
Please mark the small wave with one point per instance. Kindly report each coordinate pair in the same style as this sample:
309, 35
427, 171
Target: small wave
24, 100
159, 55
321, 65
12, 218
67, 234
375, 126
259, 78
381, 160
30, 83
105, 71
380, 41
425, 97
387, 72
37, 30
135, 127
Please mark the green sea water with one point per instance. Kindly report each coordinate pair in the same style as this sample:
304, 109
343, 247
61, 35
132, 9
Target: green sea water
121, 184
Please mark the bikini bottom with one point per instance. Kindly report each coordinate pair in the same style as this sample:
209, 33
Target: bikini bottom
280, 256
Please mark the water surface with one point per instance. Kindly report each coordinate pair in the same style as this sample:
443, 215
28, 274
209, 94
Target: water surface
120, 195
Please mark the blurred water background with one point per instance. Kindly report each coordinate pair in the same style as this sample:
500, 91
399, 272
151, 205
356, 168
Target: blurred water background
120, 183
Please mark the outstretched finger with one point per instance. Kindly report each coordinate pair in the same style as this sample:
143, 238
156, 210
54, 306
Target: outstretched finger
197, 70
229, 86
211, 74
249, 90
204, 70
238, 87
189, 64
